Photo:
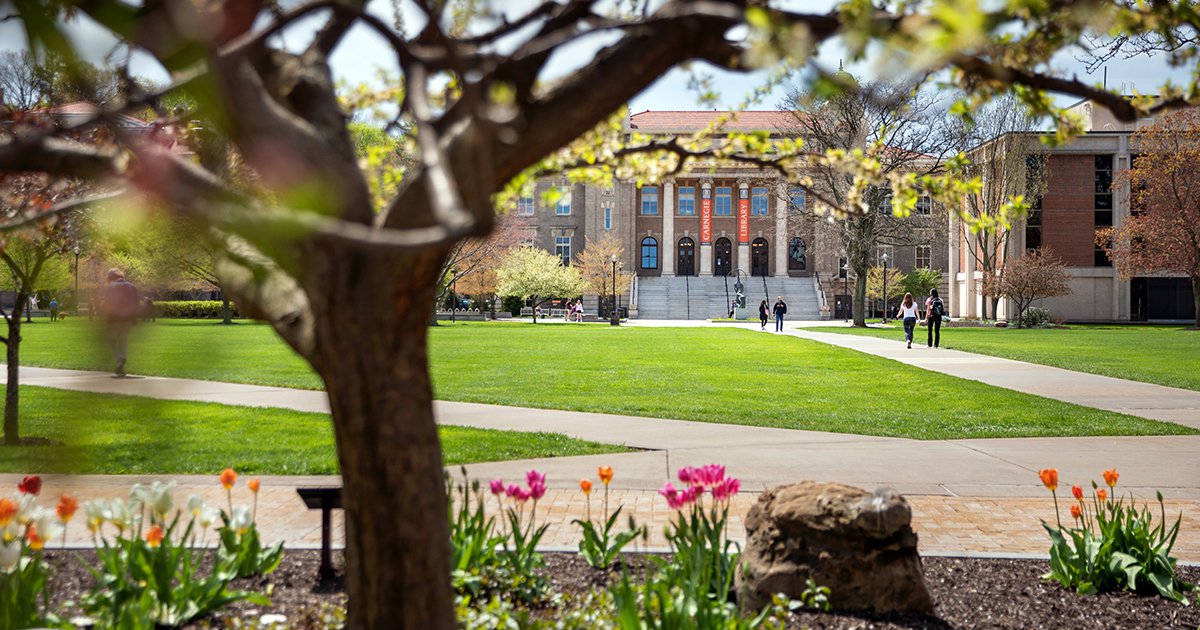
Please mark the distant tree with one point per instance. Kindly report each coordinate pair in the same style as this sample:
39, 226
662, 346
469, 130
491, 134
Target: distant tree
19, 84
596, 267
1033, 276
535, 274
471, 265
1009, 163
919, 281
169, 253
1162, 233
895, 284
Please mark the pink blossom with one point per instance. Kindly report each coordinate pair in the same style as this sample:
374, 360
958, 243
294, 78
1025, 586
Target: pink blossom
512, 490
690, 495
714, 474
533, 477
497, 486
687, 475
674, 497
537, 490
726, 489
522, 495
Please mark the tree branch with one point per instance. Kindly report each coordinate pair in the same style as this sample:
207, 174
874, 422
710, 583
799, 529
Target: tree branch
43, 154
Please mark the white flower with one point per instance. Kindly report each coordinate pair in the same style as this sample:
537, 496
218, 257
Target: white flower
47, 525
195, 504
97, 512
159, 497
10, 556
25, 507
241, 520
208, 516
118, 513
10, 533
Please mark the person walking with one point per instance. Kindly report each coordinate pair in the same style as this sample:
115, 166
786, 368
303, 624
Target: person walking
909, 312
53, 309
780, 309
935, 310
764, 313
33, 304
121, 309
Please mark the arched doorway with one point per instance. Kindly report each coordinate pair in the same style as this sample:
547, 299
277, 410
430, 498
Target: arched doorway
722, 257
686, 264
760, 264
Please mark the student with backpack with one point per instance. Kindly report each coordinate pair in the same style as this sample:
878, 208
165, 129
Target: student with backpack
935, 310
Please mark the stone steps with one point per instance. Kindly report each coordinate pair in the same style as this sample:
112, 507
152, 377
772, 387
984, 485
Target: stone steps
694, 297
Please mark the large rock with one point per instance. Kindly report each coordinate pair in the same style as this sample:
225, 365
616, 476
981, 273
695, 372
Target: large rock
857, 543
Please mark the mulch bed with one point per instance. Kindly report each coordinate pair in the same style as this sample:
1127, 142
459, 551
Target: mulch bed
968, 593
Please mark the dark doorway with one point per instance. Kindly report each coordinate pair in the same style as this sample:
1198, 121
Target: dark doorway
760, 264
1161, 298
842, 307
722, 257
687, 257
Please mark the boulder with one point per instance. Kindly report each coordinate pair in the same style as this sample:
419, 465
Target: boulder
859, 544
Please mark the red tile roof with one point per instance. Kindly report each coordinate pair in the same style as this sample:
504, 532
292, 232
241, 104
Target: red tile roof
691, 121
83, 109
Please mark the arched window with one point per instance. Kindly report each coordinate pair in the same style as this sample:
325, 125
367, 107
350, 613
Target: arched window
649, 253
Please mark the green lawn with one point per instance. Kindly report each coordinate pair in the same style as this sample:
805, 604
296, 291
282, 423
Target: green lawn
1167, 355
712, 375
111, 434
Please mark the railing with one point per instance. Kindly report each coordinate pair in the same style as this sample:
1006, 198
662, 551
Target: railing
822, 303
766, 291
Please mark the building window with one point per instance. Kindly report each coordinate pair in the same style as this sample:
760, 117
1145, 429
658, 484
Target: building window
607, 218
1104, 204
650, 200
796, 199
797, 254
1034, 172
525, 205
563, 207
843, 268
758, 201
885, 250
723, 205
924, 205
529, 236
687, 200
924, 256
649, 253
562, 249
882, 201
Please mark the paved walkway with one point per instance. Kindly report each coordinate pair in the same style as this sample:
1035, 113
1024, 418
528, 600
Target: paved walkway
968, 495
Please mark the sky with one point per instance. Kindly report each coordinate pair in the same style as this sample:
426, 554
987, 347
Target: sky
363, 54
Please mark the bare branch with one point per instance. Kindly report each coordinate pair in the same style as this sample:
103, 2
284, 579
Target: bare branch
60, 209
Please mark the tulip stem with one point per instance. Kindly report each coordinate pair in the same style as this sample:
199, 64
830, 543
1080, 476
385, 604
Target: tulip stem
1056, 516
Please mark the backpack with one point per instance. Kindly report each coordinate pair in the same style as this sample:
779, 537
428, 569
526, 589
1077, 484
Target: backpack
938, 309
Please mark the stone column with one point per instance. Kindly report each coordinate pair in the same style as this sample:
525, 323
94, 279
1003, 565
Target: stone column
782, 207
706, 247
668, 215
743, 220
953, 300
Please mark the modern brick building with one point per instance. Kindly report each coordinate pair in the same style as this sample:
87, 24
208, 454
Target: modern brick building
693, 237
1079, 199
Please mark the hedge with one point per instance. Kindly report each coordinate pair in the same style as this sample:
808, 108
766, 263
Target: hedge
192, 309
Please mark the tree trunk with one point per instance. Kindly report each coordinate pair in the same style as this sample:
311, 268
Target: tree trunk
370, 348
12, 389
860, 300
995, 308
226, 312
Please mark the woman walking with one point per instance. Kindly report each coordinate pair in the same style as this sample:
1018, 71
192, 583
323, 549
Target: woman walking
909, 312
764, 313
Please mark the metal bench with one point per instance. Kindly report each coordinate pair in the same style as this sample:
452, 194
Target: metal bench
325, 499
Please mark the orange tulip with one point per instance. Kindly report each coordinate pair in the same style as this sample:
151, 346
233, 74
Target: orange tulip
606, 474
1076, 511
1049, 477
154, 536
1077, 492
8, 509
228, 477
1110, 477
1102, 494
254, 485
34, 541
586, 486
66, 508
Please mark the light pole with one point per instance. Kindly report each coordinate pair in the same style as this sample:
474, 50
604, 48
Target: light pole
76, 294
615, 317
846, 288
884, 258
453, 293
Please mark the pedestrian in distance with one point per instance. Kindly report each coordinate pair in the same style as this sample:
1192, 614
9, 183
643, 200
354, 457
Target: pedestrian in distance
53, 309
909, 312
579, 311
935, 311
121, 309
149, 311
764, 313
780, 309
33, 304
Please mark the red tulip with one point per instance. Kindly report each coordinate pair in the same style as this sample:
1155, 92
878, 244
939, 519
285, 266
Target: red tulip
30, 485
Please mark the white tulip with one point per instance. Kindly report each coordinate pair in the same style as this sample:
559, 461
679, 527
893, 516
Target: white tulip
208, 516
97, 512
118, 513
10, 556
47, 524
195, 504
241, 520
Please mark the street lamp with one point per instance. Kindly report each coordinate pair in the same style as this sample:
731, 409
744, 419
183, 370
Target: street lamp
846, 288
615, 317
884, 258
453, 293
76, 294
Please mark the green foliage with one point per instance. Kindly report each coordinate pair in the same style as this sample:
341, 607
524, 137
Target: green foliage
139, 583
1034, 317
815, 596
598, 546
703, 557
244, 550
919, 282
529, 272
193, 309
512, 304
1117, 547
473, 540
520, 557
23, 592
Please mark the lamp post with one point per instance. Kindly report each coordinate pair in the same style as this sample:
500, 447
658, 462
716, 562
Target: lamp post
884, 258
615, 317
846, 288
75, 250
453, 293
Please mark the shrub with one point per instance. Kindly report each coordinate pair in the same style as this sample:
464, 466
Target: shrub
193, 309
1034, 317
512, 304
1113, 546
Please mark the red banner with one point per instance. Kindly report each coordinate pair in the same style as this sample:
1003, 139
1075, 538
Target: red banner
706, 215
744, 216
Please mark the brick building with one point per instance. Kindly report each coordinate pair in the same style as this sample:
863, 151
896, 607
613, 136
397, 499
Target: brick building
694, 237
1079, 199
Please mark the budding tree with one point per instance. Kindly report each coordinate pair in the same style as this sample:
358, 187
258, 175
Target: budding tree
1034, 276
537, 275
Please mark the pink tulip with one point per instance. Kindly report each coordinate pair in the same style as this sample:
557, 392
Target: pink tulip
522, 495
512, 490
534, 476
497, 486
537, 490
726, 489
673, 496
687, 475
